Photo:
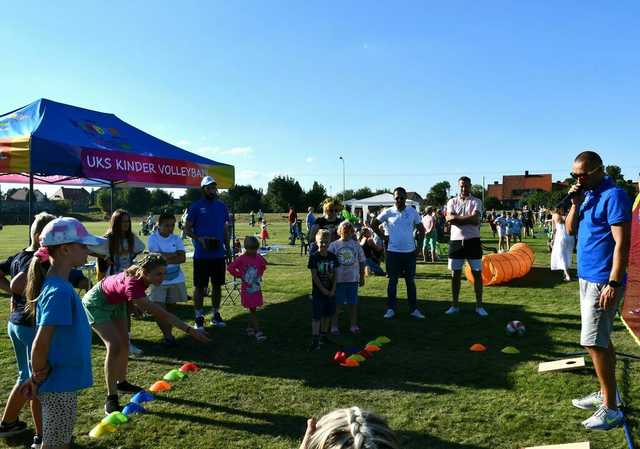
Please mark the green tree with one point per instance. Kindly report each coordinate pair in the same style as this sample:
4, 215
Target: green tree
616, 175
137, 200
315, 196
190, 196
282, 192
381, 191
492, 203
438, 194
477, 190
241, 198
537, 198
103, 199
161, 200
363, 192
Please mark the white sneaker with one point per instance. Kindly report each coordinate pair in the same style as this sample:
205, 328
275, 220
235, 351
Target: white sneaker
390, 313
417, 314
593, 401
481, 312
604, 419
452, 310
134, 350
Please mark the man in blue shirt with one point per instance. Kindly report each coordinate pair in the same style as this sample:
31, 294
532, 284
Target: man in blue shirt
600, 216
208, 225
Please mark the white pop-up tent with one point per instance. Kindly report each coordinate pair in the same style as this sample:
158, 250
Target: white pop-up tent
376, 201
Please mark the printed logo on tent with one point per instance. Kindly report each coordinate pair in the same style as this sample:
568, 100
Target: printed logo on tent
107, 137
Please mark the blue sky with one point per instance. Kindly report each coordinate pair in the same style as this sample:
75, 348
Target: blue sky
409, 93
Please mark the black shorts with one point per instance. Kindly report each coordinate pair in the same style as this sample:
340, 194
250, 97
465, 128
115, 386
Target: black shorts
322, 306
205, 269
465, 249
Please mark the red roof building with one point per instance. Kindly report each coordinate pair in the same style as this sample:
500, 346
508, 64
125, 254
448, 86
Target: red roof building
516, 187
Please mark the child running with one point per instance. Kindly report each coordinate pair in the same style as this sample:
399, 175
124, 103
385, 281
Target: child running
349, 274
106, 307
61, 351
173, 288
250, 266
322, 264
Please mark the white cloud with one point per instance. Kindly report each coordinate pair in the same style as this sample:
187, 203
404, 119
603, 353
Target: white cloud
183, 143
239, 152
309, 159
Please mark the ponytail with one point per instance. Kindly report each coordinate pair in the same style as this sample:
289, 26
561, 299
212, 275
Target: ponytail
148, 263
35, 278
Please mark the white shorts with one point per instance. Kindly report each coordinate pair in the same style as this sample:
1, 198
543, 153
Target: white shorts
168, 294
458, 264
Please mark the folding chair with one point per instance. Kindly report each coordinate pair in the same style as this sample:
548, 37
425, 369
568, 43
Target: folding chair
232, 291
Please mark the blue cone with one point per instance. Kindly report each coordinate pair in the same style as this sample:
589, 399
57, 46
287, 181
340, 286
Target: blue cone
142, 397
132, 408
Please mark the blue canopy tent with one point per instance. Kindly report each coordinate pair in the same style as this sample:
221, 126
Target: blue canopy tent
54, 143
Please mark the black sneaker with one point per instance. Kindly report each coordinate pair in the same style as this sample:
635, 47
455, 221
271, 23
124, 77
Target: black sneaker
199, 322
126, 387
112, 404
217, 320
37, 442
315, 345
13, 428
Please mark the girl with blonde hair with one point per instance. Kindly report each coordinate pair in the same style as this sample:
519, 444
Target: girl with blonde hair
349, 428
106, 307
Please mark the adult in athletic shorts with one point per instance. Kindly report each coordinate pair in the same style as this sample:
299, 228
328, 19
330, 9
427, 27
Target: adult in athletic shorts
208, 225
463, 213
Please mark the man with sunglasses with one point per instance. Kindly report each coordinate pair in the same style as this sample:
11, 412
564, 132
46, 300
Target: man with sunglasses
400, 222
600, 216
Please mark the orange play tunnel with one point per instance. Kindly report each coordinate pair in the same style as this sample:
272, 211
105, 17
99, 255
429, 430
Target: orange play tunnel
501, 268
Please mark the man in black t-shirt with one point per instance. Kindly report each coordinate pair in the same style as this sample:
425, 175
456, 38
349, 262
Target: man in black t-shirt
322, 265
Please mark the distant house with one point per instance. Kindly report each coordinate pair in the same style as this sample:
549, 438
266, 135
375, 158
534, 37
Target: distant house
22, 195
515, 188
79, 199
414, 196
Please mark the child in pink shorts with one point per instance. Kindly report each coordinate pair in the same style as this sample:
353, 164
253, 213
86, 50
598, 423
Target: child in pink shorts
249, 267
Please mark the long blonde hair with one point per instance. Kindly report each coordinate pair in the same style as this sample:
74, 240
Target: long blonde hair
36, 275
148, 263
352, 428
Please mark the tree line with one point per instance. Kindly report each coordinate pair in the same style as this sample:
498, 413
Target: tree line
285, 191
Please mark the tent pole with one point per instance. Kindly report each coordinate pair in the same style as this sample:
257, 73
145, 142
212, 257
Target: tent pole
31, 206
111, 185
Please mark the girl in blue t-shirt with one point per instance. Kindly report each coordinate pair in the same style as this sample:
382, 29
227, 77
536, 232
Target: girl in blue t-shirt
61, 351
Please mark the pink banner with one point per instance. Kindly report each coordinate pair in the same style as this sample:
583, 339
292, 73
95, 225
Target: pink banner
114, 165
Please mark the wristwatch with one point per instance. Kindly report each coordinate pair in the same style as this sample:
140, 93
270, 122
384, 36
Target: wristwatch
614, 284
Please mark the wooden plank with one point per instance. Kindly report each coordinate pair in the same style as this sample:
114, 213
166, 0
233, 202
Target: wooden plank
584, 445
577, 362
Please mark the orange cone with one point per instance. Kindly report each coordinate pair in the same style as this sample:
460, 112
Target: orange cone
478, 348
160, 386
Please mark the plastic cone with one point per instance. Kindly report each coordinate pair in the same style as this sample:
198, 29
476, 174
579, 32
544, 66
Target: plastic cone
115, 419
478, 348
372, 348
510, 350
174, 375
340, 357
350, 363
366, 354
384, 340
189, 368
101, 429
132, 408
141, 397
357, 357
160, 386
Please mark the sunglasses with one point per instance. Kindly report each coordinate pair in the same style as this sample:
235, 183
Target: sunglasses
584, 175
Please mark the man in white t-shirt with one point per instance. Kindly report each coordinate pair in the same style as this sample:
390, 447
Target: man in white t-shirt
463, 213
399, 222
173, 288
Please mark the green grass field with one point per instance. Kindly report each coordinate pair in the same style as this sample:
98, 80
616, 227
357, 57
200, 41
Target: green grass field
434, 392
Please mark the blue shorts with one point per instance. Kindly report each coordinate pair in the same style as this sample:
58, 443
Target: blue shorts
22, 340
347, 293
